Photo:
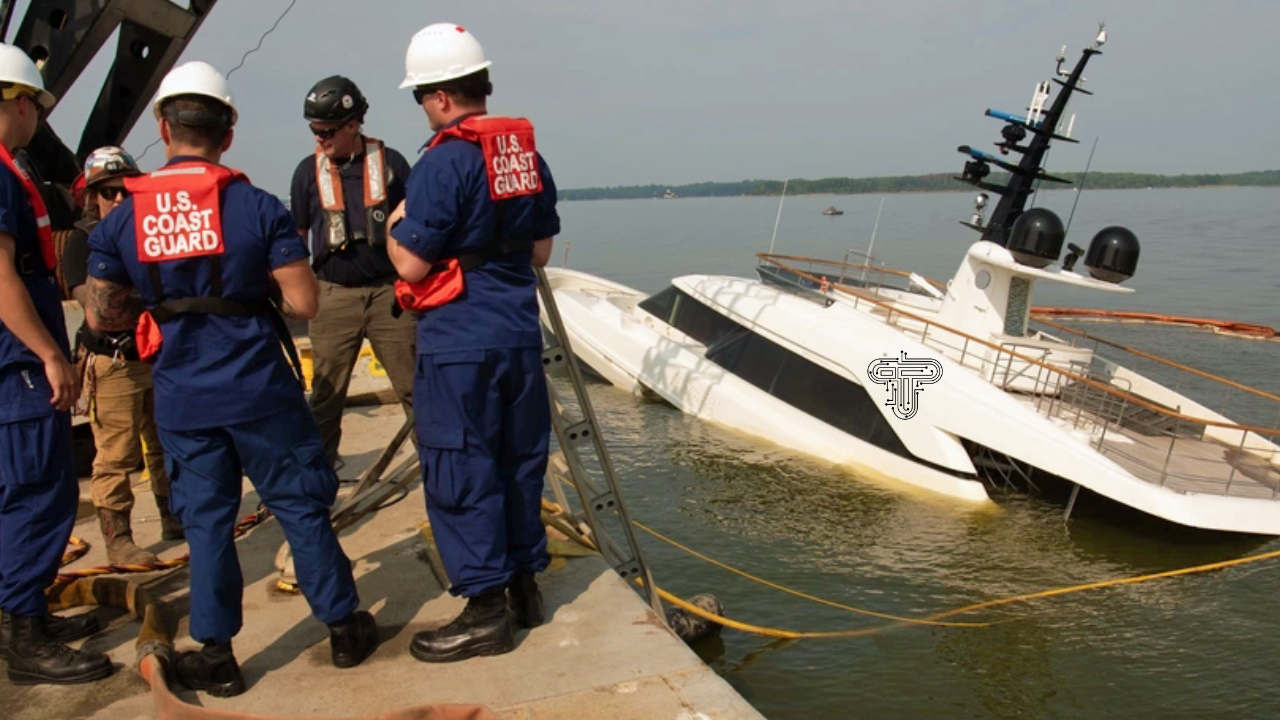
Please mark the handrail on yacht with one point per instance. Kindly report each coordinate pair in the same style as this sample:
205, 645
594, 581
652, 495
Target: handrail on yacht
1127, 397
1156, 358
876, 267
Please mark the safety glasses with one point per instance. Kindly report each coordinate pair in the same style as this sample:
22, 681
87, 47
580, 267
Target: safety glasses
421, 92
325, 134
111, 193
13, 91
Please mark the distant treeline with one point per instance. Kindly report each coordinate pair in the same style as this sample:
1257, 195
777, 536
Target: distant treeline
941, 182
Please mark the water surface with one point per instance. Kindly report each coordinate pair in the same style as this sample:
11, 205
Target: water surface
1192, 647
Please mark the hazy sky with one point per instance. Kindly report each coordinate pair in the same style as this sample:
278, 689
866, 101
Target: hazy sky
676, 92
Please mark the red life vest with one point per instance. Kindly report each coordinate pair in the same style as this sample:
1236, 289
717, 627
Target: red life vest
177, 213
511, 163
43, 229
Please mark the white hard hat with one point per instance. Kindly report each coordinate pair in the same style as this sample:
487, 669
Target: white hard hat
441, 52
196, 78
19, 69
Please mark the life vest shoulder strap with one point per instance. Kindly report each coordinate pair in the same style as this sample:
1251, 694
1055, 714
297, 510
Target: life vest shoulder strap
178, 175
476, 127
29, 263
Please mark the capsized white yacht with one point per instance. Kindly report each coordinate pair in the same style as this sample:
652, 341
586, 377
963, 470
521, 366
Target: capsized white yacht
944, 387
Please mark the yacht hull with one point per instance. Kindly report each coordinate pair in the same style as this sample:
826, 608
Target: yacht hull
635, 352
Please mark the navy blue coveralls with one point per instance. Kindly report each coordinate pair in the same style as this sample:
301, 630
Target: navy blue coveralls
38, 489
480, 395
228, 403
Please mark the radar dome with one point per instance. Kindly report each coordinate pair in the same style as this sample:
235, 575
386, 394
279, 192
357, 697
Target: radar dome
1036, 237
1113, 254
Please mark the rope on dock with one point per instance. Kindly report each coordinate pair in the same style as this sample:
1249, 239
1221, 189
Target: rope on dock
80, 547
78, 550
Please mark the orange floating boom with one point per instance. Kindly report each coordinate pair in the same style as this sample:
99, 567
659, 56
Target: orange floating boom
1230, 326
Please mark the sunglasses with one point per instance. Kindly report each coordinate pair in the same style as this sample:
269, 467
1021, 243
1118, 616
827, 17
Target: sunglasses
421, 92
325, 134
111, 193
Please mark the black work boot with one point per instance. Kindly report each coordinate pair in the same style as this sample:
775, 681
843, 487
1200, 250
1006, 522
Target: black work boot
353, 639
213, 669
485, 627
61, 629
36, 658
526, 600
170, 527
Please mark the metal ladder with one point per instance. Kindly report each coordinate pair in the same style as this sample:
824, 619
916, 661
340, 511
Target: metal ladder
600, 502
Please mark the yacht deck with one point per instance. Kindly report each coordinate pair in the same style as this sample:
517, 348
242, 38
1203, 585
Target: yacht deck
1183, 461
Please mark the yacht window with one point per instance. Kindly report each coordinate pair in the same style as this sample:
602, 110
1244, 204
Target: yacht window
689, 316
659, 305
836, 401
750, 357
790, 377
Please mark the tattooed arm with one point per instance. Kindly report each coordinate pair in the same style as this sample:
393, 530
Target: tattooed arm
112, 307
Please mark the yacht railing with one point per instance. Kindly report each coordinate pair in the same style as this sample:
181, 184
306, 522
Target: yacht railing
1159, 443
1229, 397
871, 276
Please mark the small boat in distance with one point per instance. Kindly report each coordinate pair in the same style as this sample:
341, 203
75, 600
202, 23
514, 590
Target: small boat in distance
833, 210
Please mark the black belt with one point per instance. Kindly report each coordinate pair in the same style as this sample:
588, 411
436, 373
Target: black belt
123, 344
219, 305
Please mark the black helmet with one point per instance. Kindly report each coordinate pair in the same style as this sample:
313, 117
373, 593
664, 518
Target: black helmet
334, 99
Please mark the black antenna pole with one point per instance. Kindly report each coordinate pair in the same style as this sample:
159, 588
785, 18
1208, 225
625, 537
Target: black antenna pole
1021, 181
1035, 194
1080, 190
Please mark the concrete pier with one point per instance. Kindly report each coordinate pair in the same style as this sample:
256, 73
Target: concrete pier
602, 654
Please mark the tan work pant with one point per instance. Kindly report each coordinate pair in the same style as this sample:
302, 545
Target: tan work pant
124, 419
346, 317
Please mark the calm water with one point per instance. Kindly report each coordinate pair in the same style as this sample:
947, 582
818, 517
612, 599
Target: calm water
1193, 647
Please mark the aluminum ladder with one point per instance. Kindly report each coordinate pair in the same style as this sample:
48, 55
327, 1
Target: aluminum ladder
601, 502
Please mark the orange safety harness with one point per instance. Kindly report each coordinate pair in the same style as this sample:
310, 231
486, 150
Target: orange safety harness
376, 202
178, 216
511, 163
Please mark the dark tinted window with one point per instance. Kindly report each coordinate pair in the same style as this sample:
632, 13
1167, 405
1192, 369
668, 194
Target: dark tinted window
835, 401
659, 305
750, 357
795, 380
689, 316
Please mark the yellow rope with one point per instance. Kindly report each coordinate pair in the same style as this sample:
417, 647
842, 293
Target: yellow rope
797, 593
1210, 567
934, 619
